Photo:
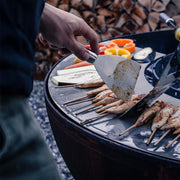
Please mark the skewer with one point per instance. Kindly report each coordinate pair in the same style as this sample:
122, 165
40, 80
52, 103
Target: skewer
146, 115
162, 137
93, 118
176, 138
128, 129
87, 109
75, 100
71, 85
90, 93
160, 119
150, 138
85, 100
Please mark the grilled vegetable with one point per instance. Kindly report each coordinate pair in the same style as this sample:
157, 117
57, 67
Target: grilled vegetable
118, 51
144, 55
127, 44
78, 75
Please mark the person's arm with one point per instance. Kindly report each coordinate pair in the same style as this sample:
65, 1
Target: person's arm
60, 28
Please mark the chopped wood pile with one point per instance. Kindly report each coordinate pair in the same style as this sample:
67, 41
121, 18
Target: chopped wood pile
110, 18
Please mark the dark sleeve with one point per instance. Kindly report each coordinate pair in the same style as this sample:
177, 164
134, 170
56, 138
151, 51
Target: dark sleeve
19, 26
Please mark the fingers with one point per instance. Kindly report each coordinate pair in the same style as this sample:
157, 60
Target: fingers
63, 52
78, 50
86, 31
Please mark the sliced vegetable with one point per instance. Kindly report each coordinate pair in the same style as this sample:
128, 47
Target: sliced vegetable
72, 70
145, 55
127, 44
118, 51
80, 64
77, 75
102, 48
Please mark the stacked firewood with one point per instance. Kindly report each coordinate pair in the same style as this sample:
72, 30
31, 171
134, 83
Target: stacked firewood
111, 18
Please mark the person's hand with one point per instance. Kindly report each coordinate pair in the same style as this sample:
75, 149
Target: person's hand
60, 28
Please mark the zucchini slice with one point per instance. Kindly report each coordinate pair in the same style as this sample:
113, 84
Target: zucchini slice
144, 55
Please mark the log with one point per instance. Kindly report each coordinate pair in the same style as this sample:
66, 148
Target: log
75, 12
137, 19
153, 20
114, 32
100, 20
127, 5
88, 3
123, 18
105, 12
146, 3
116, 6
158, 7
131, 26
64, 7
76, 4
139, 11
144, 28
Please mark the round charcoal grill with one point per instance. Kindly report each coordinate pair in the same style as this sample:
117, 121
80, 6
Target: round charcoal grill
96, 151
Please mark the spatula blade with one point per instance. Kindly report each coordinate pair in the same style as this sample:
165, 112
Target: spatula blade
119, 73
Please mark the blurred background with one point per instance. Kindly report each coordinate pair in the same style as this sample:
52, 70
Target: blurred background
110, 18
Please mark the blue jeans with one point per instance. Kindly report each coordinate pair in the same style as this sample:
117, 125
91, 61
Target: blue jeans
23, 152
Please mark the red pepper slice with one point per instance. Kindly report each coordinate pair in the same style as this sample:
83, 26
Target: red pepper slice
102, 48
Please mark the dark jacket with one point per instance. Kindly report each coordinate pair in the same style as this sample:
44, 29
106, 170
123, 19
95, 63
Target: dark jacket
19, 26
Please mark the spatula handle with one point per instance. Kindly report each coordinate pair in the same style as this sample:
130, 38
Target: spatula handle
167, 20
92, 57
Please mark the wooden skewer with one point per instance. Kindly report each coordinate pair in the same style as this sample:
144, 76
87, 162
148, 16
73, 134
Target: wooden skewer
150, 138
133, 126
176, 138
85, 100
75, 100
162, 137
93, 118
87, 109
70, 85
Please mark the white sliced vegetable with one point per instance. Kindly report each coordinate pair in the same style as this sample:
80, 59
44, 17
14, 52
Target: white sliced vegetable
77, 69
144, 55
76, 75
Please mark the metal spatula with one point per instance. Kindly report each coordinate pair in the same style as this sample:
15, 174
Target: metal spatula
119, 73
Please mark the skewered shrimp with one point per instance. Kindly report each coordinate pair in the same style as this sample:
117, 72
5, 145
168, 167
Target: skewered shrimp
108, 99
146, 115
160, 119
122, 108
177, 131
168, 126
102, 95
174, 121
116, 103
89, 94
97, 90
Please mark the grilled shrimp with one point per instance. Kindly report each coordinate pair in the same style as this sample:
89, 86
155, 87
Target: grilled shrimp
97, 90
125, 106
173, 121
116, 103
122, 108
102, 95
177, 131
149, 113
162, 117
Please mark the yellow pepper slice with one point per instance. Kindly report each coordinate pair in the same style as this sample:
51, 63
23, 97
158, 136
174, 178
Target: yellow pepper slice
118, 51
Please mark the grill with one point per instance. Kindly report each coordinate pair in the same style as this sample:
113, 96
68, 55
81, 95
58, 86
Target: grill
96, 151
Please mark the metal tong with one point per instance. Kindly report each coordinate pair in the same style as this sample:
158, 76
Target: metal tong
169, 77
